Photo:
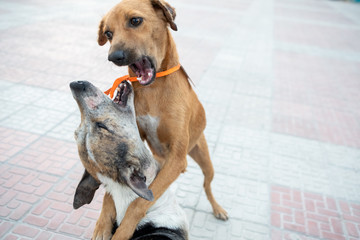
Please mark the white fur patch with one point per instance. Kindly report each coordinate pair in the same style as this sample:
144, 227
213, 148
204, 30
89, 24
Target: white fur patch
164, 213
121, 194
149, 124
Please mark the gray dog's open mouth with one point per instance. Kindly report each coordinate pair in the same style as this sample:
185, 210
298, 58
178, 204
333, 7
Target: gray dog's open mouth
122, 93
144, 70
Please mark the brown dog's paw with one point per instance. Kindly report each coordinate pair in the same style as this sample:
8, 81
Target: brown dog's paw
101, 236
101, 232
221, 214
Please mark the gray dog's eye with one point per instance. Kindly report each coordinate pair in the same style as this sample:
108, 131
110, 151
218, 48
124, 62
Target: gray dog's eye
101, 125
108, 35
136, 21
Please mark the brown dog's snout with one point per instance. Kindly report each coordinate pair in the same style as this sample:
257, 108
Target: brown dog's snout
118, 57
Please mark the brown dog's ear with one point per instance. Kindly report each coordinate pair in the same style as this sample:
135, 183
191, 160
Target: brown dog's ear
85, 191
169, 12
101, 37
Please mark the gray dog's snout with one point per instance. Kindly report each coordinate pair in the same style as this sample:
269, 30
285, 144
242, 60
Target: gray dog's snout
117, 57
79, 85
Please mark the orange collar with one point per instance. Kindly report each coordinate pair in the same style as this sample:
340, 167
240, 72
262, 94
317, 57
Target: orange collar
134, 79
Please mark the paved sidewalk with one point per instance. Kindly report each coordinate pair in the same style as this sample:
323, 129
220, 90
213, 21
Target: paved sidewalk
280, 82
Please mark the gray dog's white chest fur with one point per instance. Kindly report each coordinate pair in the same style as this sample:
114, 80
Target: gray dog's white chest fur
164, 213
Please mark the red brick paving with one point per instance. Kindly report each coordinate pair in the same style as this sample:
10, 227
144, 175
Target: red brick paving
304, 3
48, 155
37, 182
12, 141
316, 35
321, 15
313, 215
40, 201
314, 104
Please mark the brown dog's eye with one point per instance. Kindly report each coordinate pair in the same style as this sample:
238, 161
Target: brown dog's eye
108, 35
136, 21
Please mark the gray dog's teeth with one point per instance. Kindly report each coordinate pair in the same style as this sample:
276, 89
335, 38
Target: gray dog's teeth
115, 94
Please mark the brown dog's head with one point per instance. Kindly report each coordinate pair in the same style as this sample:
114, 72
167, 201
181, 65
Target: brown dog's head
109, 142
137, 32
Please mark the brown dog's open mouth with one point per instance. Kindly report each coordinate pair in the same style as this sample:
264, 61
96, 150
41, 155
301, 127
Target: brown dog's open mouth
144, 70
122, 93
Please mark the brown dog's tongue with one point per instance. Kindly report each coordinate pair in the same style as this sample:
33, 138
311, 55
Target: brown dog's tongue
144, 71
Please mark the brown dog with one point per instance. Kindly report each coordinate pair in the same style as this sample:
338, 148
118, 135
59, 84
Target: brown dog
168, 113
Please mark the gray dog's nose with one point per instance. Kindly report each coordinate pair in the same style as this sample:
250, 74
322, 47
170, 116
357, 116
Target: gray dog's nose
79, 85
117, 57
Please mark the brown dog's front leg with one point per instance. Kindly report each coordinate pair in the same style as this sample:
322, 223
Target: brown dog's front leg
135, 212
138, 208
105, 223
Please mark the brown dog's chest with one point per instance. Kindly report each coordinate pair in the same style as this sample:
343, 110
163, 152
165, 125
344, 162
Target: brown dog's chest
153, 117
169, 114
148, 127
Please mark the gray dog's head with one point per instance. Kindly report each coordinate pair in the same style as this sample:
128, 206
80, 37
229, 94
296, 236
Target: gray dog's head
109, 142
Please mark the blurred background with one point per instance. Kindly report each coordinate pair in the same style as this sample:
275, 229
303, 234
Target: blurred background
280, 83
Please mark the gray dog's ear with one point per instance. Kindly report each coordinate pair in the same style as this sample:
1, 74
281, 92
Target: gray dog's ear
169, 12
137, 182
85, 191
101, 37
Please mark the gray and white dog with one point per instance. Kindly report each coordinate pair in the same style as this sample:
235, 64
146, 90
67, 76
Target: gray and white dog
113, 154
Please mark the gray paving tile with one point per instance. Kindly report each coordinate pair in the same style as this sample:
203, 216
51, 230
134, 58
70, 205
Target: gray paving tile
237, 136
59, 101
344, 183
243, 199
250, 112
34, 119
8, 108
65, 129
300, 174
23, 94
241, 162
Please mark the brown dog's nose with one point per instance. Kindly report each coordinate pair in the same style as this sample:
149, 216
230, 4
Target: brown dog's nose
117, 57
